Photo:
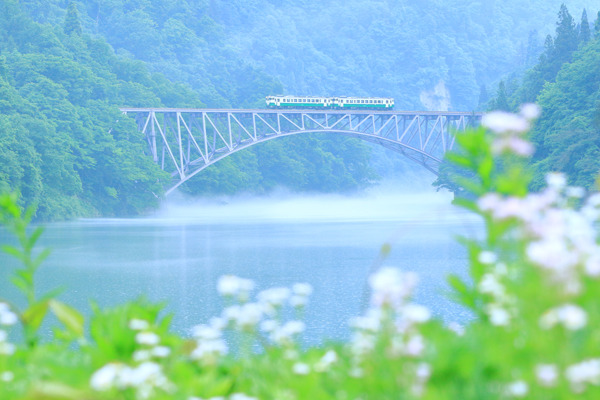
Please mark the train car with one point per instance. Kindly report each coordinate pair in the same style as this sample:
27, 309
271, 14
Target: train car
298, 102
363, 103
337, 103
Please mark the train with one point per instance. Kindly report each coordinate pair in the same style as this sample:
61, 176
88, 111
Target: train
336, 103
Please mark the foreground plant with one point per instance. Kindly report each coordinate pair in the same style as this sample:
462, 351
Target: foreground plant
533, 291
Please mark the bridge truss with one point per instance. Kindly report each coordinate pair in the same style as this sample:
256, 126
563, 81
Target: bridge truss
186, 141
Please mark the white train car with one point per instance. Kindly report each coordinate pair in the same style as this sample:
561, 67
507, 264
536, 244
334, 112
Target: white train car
316, 102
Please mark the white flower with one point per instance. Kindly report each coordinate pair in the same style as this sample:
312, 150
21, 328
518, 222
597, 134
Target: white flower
7, 376
370, 322
7, 348
205, 332
161, 351
517, 389
138, 324
416, 313
362, 343
302, 289
498, 315
575, 192
489, 202
571, 316
487, 257
502, 122
105, 377
592, 265
456, 328
587, 371
328, 358
209, 350
552, 253
530, 111
300, 368
7, 317
298, 301
232, 286
415, 346
285, 334
249, 315
218, 323
391, 286
141, 355
148, 338
546, 374
489, 285
512, 144
556, 180
274, 296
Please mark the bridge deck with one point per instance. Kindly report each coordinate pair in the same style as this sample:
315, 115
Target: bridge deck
297, 110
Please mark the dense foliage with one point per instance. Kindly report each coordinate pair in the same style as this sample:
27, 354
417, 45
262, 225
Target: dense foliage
67, 148
64, 143
565, 83
534, 277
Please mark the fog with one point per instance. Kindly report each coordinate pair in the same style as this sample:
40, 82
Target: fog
391, 200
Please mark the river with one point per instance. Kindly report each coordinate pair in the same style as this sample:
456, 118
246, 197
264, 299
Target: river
329, 241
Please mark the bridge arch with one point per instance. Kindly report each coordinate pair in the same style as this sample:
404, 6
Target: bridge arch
186, 141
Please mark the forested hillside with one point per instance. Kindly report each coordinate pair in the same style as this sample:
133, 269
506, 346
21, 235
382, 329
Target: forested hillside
63, 142
425, 54
67, 148
67, 67
566, 84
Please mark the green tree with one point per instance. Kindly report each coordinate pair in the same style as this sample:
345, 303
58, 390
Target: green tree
72, 26
584, 29
501, 102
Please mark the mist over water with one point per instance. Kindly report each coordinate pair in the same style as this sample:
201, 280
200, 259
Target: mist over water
389, 201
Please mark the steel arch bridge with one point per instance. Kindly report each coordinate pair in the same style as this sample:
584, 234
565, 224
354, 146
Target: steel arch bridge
185, 141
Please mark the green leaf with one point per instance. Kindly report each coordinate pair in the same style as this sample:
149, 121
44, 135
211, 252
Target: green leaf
464, 293
20, 283
52, 293
35, 314
41, 257
13, 251
33, 238
70, 317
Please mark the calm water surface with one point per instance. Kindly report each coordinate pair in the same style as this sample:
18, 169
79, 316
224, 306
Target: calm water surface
328, 241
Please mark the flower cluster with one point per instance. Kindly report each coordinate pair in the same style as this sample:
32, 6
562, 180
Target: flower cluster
552, 237
392, 323
210, 345
510, 128
264, 316
146, 376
